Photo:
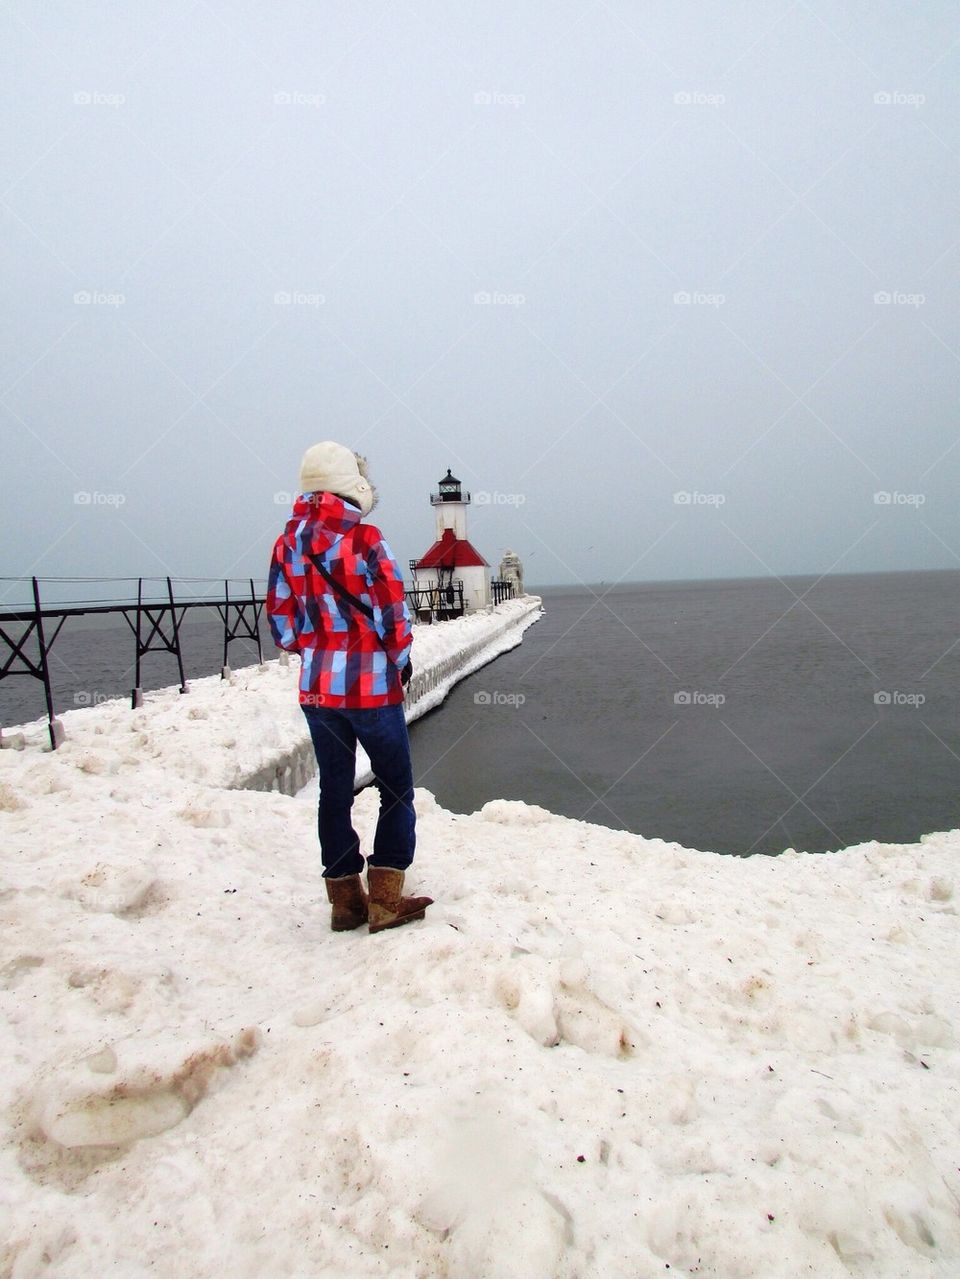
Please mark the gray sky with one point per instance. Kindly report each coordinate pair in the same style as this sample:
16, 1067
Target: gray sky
680, 216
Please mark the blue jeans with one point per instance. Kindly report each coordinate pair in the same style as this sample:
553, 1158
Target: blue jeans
382, 732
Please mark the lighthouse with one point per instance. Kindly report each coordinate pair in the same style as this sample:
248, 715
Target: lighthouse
453, 570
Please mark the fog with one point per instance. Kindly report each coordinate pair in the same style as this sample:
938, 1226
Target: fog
671, 288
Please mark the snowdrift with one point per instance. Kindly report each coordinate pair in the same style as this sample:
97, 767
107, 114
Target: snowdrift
598, 1055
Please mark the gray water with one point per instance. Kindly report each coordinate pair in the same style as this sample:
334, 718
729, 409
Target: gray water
93, 660
799, 754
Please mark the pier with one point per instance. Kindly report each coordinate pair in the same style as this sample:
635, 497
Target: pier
28, 631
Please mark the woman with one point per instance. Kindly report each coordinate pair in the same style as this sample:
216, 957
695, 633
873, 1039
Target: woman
335, 596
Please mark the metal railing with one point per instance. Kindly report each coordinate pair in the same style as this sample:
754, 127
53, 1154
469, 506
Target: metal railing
434, 602
437, 499
155, 625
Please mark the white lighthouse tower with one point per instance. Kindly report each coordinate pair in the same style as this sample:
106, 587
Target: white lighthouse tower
452, 564
450, 506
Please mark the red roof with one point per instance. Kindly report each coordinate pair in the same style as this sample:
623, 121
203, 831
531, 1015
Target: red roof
452, 552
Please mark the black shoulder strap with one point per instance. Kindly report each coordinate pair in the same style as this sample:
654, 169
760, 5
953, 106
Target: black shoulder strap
339, 589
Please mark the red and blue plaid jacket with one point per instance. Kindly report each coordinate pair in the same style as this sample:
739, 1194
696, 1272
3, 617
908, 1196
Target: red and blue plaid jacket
348, 660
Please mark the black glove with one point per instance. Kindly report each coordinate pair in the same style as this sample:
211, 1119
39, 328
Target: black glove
406, 673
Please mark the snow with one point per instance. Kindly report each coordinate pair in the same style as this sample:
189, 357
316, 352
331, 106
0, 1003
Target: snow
598, 1055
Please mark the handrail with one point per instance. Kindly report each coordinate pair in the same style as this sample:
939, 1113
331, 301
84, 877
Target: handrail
240, 616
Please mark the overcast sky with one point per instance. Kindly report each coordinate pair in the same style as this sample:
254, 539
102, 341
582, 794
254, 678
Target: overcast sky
589, 256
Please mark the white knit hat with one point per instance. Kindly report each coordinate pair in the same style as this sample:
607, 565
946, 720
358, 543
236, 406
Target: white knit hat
333, 468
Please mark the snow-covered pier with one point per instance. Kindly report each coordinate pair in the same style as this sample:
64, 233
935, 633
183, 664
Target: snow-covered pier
443, 654
260, 740
599, 1054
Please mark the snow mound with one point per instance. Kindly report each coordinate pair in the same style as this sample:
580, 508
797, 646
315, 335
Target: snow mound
507, 811
598, 1054
102, 1101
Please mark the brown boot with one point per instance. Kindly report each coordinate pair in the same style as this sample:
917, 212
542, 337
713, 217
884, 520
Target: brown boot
349, 902
388, 908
